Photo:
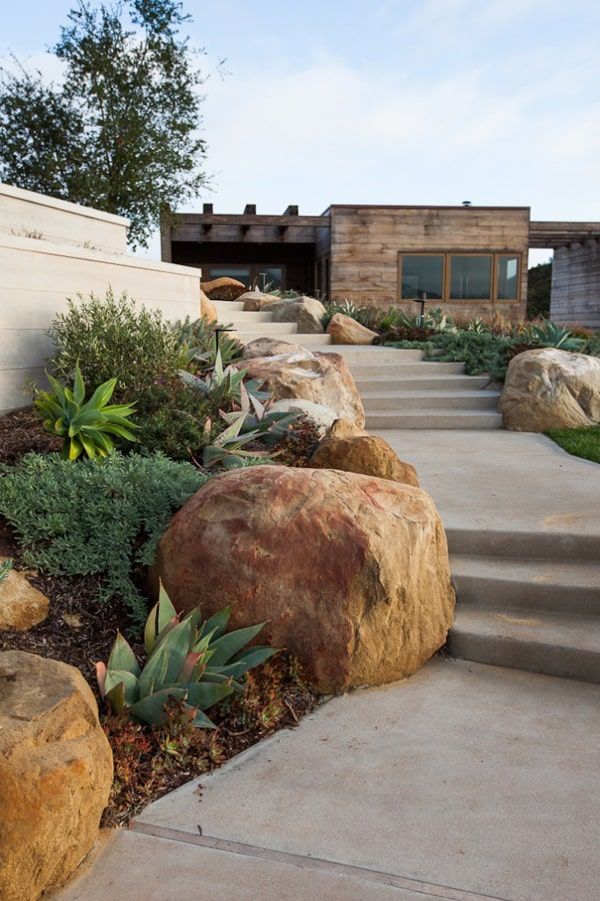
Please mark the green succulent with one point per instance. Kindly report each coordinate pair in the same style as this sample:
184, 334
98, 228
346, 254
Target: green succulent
85, 427
194, 662
549, 334
200, 340
266, 425
223, 384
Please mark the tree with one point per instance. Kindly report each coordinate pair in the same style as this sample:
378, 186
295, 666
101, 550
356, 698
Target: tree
121, 130
539, 281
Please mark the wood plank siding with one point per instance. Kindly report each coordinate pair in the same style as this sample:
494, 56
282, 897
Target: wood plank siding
575, 294
366, 242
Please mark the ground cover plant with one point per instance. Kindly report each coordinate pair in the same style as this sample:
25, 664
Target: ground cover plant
98, 518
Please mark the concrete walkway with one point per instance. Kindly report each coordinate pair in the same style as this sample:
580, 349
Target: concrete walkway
464, 782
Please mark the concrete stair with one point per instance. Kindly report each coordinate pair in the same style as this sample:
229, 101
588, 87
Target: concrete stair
540, 614
399, 390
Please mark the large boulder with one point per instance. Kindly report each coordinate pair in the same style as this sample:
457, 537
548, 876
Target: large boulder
367, 454
322, 378
319, 416
22, 606
551, 389
350, 572
55, 773
207, 308
270, 347
306, 312
345, 330
256, 301
224, 288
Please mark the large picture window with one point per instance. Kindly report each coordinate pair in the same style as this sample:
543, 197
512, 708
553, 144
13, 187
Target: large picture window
459, 276
471, 277
423, 273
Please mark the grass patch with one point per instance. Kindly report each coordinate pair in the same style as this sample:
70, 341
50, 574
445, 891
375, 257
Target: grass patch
583, 442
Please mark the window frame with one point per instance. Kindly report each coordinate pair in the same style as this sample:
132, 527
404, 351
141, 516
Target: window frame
447, 273
255, 271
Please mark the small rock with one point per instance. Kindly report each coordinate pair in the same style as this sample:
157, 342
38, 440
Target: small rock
255, 301
21, 605
72, 619
306, 312
224, 288
345, 330
270, 347
366, 454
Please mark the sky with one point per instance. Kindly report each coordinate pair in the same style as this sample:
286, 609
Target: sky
388, 101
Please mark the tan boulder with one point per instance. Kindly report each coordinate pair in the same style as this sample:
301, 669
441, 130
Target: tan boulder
207, 308
345, 330
351, 572
551, 389
306, 312
224, 288
367, 454
344, 428
270, 347
21, 605
322, 378
256, 301
55, 773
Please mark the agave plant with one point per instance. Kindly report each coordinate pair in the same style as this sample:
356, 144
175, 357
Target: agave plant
200, 340
265, 424
549, 334
85, 427
194, 662
227, 448
223, 384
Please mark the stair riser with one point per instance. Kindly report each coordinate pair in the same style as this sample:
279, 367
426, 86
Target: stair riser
227, 306
266, 329
368, 356
535, 657
434, 421
544, 545
511, 594
401, 403
244, 319
311, 342
405, 370
435, 384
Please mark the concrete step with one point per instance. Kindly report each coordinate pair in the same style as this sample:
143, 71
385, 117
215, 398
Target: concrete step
559, 544
510, 583
566, 645
376, 356
266, 329
227, 306
433, 419
313, 342
436, 383
401, 401
401, 371
239, 316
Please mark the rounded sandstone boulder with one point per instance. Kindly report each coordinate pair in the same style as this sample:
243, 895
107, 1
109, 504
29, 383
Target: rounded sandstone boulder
351, 572
551, 389
22, 606
346, 330
55, 773
224, 288
366, 454
321, 378
207, 308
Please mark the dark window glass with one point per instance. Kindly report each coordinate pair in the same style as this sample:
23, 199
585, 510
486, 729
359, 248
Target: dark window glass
508, 275
271, 278
422, 273
241, 273
471, 277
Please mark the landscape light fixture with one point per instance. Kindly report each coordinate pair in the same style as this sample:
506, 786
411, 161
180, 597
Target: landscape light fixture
219, 329
421, 299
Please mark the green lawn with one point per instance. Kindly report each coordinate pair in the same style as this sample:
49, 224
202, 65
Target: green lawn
583, 442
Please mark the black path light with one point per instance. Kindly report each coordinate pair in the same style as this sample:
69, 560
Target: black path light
222, 329
422, 300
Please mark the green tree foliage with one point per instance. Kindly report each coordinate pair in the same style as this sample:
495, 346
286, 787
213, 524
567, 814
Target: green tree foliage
120, 132
539, 280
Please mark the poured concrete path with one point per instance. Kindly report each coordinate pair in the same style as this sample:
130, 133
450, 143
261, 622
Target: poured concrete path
503, 481
464, 782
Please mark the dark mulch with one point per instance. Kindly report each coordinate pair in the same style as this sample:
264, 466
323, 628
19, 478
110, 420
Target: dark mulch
22, 431
298, 445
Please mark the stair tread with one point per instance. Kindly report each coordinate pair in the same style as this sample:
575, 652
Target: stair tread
566, 630
568, 573
423, 392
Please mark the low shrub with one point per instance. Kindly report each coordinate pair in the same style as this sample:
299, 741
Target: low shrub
482, 353
96, 516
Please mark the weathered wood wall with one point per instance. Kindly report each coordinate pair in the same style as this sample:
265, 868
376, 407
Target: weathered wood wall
366, 241
575, 295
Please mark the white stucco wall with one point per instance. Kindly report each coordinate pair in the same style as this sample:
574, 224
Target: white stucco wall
38, 275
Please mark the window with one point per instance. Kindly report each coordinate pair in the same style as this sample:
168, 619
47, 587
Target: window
508, 274
471, 277
452, 277
252, 275
422, 273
